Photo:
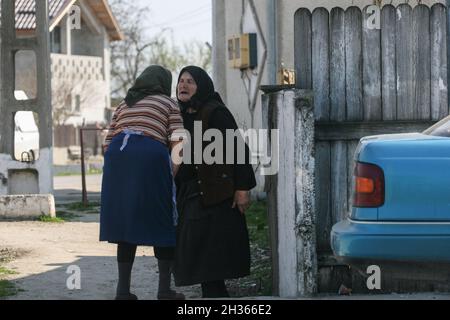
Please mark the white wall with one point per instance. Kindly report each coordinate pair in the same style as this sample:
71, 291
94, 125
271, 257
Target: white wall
85, 75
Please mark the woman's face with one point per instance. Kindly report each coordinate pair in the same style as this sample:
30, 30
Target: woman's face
186, 87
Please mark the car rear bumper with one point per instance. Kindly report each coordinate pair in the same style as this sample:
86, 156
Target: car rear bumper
415, 241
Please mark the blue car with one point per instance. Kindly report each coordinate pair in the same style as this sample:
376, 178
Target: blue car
401, 199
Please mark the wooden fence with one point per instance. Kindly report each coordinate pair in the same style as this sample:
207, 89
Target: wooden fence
366, 82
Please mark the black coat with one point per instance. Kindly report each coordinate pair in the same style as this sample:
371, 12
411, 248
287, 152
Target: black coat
212, 237
217, 182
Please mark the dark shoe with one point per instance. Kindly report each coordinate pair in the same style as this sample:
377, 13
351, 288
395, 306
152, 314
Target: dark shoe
171, 295
129, 296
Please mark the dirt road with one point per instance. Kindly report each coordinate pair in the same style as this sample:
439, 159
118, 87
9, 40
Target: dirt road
46, 251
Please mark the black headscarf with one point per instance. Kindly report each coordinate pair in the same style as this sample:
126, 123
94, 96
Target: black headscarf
153, 81
205, 89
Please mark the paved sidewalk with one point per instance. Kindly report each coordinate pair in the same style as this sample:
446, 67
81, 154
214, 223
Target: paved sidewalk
68, 188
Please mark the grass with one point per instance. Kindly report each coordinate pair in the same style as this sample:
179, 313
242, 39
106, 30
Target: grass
68, 212
257, 224
61, 216
4, 271
259, 282
78, 206
66, 216
7, 288
69, 174
51, 219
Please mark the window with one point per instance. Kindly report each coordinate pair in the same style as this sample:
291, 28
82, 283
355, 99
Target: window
55, 40
77, 108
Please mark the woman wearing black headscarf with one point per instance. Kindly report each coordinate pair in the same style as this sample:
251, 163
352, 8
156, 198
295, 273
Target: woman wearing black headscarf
138, 198
212, 241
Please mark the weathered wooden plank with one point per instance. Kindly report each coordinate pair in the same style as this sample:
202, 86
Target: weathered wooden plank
287, 253
421, 30
303, 48
353, 34
269, 115
351, 147
405, 64
323, 194
334, 131
339, 182
321, 63
305, 222
439, 85
371, 70
337, 65
388, 62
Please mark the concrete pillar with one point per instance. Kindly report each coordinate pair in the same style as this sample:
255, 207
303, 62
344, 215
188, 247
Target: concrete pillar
107, 68
291, 191
66, 36
220, 51
41, 105
272, 41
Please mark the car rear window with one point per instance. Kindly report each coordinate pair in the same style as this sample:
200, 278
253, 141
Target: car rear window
440, 129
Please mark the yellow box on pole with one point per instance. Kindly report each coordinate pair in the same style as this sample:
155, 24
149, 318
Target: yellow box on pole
242, 51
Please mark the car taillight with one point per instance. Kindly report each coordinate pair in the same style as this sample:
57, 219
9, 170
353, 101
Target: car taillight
369, 185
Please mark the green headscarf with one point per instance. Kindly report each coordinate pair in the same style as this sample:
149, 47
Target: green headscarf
153, 81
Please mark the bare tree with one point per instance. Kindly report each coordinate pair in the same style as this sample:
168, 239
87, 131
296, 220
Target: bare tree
63, 93
128, 57
199, 54
138, 50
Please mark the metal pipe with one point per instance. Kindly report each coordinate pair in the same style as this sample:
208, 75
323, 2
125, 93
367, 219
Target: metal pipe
272, 61
83, 172
219, 50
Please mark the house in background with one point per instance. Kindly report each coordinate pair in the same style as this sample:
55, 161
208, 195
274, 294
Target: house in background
80, 65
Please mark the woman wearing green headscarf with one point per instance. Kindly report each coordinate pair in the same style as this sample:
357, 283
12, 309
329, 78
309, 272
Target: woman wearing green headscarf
138, 192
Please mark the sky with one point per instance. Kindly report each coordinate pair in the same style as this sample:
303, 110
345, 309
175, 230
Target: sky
188, 19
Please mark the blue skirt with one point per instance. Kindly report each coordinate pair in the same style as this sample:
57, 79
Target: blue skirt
137, 203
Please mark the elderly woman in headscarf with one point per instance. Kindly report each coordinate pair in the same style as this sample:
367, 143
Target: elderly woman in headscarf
138, 190
212, 241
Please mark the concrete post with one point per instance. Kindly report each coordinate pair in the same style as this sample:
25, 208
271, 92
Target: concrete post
219, 52
42, 168
272, 40
293, 194
107, 67
66, 36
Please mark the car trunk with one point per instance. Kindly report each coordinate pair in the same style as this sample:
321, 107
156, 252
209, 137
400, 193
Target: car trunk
416, 171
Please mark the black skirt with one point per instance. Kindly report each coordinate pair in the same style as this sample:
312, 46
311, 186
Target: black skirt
212, 242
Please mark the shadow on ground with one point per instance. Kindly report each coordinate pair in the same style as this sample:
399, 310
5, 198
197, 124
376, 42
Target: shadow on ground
97, 280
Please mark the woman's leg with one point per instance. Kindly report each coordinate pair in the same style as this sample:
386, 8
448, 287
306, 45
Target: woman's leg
165, 256
125, 258
214, 289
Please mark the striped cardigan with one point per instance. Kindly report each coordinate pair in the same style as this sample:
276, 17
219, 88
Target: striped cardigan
156, 116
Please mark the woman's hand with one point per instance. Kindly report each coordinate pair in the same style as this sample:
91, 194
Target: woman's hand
176, 155
241, 200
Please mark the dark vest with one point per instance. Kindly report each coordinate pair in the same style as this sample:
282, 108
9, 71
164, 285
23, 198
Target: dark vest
216, 181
